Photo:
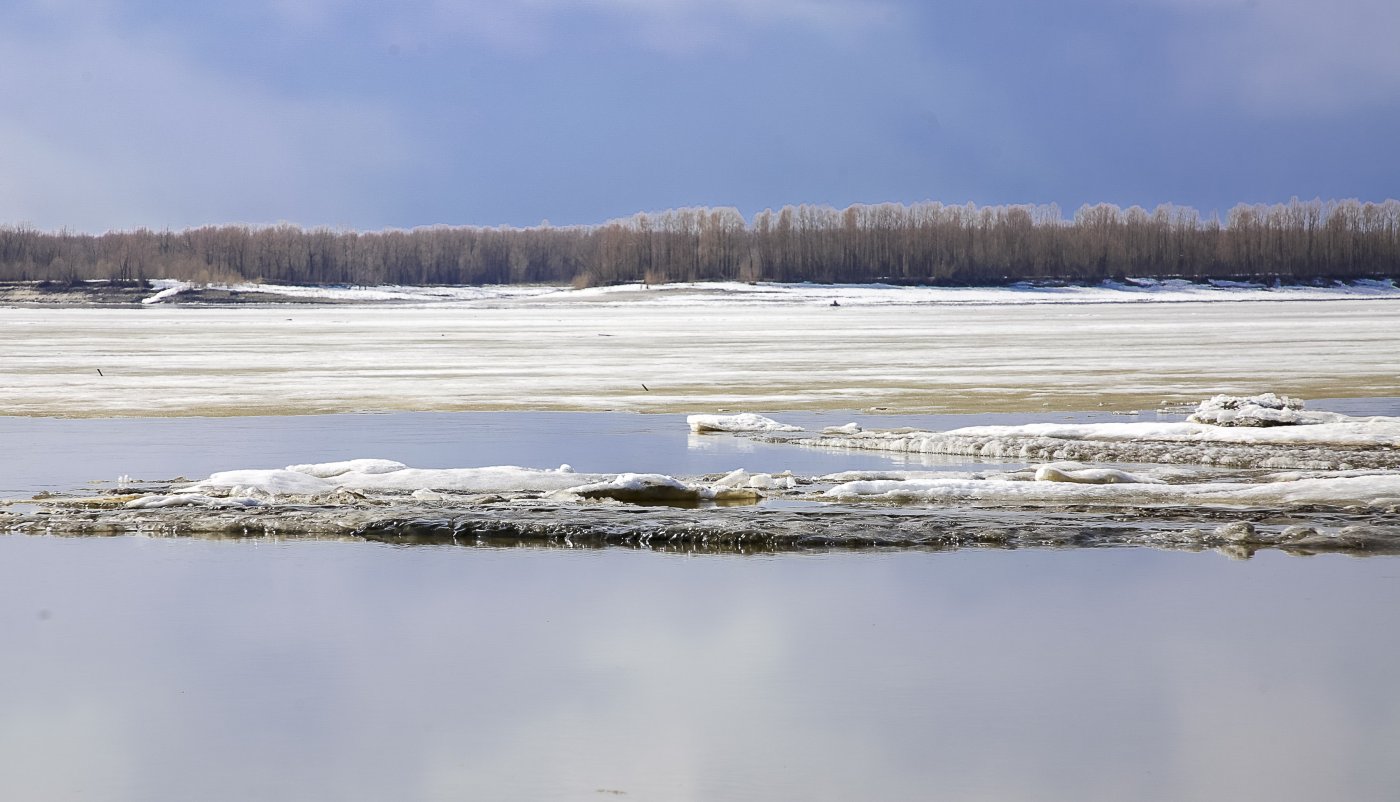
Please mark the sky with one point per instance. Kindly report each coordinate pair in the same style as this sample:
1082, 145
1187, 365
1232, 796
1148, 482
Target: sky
355, 114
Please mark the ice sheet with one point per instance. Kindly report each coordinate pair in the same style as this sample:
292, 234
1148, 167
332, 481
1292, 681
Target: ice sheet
375, 475
1342, 443
1380, 490
741, 348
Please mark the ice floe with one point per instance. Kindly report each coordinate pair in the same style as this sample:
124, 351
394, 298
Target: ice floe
745, 422
156, 502
1326, 441
1375, 491
1259, 410
1091, 476
327, 470
376, 475
655, 488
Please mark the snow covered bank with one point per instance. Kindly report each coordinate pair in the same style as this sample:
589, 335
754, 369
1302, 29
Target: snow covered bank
1134, 291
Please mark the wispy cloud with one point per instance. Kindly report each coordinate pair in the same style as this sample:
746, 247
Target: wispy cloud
1290, 56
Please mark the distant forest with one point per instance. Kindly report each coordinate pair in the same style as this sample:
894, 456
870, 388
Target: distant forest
922, 243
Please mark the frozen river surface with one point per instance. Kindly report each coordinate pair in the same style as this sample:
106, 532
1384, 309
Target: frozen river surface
696, 350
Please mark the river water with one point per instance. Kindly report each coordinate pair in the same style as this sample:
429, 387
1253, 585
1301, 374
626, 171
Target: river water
143, 668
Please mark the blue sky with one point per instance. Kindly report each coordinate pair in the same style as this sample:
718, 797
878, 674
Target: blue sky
372, 115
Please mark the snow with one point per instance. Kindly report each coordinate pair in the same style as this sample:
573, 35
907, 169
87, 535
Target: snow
746, 422
1342, 442
1133, 291
1091, 476
760, 481
1380, 490
167, 289
644, 488
374, 476
327, 470
370, 294
377, 475
641, 488
1268, 409
190, 500
702, 350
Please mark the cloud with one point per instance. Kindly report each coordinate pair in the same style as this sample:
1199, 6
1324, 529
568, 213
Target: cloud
670, 26
1288, 57
112, 128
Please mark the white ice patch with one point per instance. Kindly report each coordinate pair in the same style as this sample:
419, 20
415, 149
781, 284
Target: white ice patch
659, 488
758, 481
1259, 410
327, 470
1375, 490
169, 289
381, 475
1091, 476
745, 422
1342, 442
189, 500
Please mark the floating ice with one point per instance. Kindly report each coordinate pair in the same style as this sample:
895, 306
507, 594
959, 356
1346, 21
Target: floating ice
327, 470
655, 488
759, 481
189, 500
1329, 441
745, 422
1259, 410
1371, 490
1091, 476
384, 475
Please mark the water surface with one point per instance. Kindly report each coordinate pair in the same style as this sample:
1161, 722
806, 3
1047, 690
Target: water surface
139, 668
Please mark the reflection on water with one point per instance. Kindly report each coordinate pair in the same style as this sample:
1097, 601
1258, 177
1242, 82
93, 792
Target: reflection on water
162, 669
137, 668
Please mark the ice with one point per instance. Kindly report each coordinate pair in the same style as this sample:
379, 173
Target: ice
377, 475
910, 350
759, 481
1375, 490
189, 500
369, 294
1091, 476
1259, 410
1342, 442
167, 289
327, 470
644, 488
746, 422
849, 428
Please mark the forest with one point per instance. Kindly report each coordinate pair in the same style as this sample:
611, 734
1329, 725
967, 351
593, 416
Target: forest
926, 243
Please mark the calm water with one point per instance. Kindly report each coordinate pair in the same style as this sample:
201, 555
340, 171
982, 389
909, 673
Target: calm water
147, 669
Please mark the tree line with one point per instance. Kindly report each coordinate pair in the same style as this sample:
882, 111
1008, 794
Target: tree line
921, 243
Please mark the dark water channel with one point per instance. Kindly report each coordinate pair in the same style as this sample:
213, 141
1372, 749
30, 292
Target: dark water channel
147, 669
